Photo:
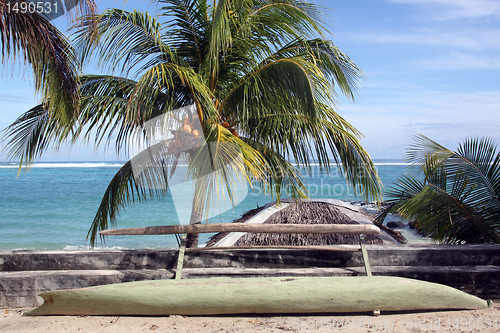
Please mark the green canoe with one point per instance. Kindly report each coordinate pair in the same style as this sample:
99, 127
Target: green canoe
218, 296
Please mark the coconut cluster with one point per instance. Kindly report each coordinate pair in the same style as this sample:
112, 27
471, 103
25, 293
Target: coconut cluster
188, 127
185, 138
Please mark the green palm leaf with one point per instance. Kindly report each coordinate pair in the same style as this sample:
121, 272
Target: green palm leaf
458, 201
34, 40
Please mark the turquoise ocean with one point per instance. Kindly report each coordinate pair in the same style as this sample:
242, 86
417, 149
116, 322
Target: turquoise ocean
52, 205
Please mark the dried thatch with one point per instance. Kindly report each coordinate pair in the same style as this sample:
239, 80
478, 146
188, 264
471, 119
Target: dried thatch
245, 217
300, 213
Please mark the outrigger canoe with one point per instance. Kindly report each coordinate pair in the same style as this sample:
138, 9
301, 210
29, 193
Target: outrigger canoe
219, 296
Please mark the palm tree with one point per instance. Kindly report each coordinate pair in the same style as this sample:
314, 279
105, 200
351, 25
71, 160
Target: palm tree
453, 195
260, 77
31, 36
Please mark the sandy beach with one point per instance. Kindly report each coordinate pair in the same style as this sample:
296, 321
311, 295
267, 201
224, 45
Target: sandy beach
12, 320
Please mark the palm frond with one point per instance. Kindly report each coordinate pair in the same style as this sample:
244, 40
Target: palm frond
121, 39
32, 134
458, 199
142, 177
30, 37
281, 177
187, 21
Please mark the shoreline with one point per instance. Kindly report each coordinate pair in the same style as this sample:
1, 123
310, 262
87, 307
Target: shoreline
360, 207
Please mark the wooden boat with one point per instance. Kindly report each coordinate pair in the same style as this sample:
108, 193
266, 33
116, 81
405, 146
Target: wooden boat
217, 296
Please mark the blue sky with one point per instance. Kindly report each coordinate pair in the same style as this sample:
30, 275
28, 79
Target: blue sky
431, 67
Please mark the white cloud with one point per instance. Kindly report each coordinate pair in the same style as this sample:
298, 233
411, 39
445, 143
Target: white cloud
16, 97
475, 39
461, 61
456, 9
446, 117
468, 48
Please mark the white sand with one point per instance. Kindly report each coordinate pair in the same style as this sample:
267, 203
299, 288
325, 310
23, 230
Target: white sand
12, 320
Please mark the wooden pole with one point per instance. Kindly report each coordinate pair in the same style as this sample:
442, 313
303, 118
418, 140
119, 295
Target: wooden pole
286, 247
180, 258
365, 255
345, 229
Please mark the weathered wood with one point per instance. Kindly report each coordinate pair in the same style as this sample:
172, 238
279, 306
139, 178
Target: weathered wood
365, 255
219, 296
288, 247
180, 258
348, 229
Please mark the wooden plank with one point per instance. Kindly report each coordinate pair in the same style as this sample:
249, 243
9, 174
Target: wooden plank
287, 247
346, 229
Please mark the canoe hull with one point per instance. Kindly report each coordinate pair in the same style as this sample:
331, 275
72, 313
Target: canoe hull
218, 296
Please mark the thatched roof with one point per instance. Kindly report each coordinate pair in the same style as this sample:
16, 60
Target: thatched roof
300, 213
245, 217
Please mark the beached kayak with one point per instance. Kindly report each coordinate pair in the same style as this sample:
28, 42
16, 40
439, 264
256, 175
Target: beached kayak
218, 296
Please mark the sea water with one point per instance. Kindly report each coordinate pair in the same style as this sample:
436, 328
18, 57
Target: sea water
52, 205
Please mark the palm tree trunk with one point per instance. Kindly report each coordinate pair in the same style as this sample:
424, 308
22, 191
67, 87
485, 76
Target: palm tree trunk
192, 239
196, 214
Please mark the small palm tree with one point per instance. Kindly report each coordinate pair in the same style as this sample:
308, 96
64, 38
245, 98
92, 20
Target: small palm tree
453, 195
261, 79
